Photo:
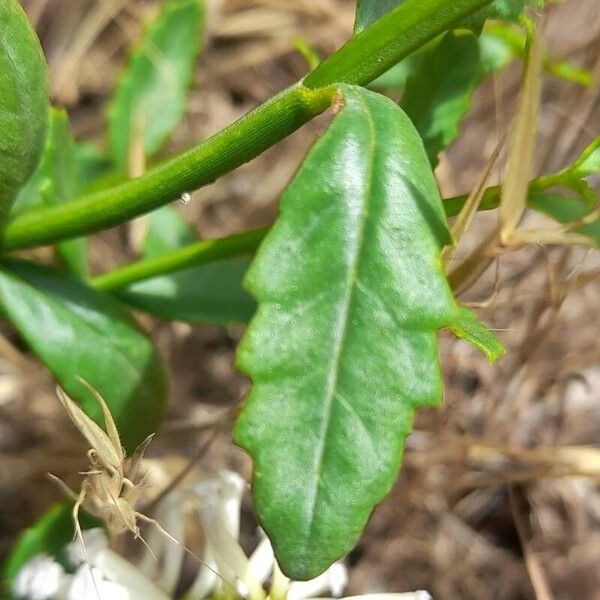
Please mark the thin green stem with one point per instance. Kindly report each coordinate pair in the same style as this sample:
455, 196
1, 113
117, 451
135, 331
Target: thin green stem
361, 60
248, 242
399, 32
189, 256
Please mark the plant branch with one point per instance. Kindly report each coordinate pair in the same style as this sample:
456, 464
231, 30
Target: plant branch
188, 256
361, 60
203, 252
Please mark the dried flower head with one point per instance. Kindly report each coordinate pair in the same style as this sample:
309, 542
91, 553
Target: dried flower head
114, 484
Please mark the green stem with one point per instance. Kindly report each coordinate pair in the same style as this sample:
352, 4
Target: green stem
399, 32
247, 243
361, 60
188, 256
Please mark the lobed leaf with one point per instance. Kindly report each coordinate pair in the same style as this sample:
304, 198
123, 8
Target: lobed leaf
77, 333
343, 346
209, 293
56, 180
150, 98
23, 102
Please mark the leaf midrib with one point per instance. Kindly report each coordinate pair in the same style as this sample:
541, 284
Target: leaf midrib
341, 328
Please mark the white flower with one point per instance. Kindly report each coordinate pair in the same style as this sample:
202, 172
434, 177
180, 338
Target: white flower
225, 570
108, 576
42, 578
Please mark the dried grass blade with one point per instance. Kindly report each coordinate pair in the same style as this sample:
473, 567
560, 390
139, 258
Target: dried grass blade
513, 199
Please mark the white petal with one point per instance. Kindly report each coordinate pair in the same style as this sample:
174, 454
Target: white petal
41, 578
226, 548
170, 517
119, 571
86, 585
231, 494
331, 582
261, 561
419, 595
95, 541
206, 579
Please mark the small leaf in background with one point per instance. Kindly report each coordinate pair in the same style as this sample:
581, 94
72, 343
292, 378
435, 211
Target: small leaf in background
151, 94
48, 535
210, 293
167, 230
566, 210
501, 42
368, 11
438, 95
77, 333
23, 102
56, 180
504, 10
343, 346
494, 51
589, 162
94, 165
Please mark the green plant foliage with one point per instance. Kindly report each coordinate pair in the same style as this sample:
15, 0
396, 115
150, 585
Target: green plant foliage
438, 94
589, 161
468, 328
166, 230
151, 94
23, 102
94, 167
566, 210
368, 11
343, 346
210, 293
78, 332
48, 535
504, 10
56, 180
501, 42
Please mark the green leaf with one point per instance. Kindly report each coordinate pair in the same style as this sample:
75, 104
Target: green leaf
56, 180
94, 165
150, 97
589, 162
438, 94
501, 42
495, 52
468, 328
343, 346
368, 11
79, 332
565, 210
167, 230
48, 535
210, 293
23, 102
503, 10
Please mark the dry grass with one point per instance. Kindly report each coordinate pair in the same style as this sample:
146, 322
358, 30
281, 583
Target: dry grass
499, 496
